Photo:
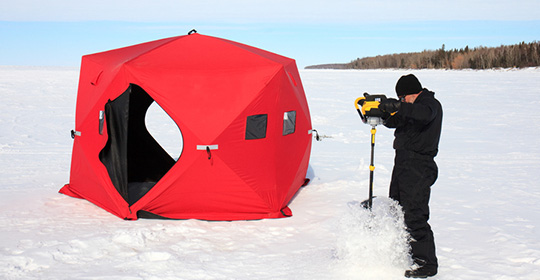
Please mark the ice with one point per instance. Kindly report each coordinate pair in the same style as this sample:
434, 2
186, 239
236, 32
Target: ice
484, 206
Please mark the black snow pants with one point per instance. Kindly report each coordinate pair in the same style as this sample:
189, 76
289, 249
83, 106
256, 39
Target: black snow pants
412, 178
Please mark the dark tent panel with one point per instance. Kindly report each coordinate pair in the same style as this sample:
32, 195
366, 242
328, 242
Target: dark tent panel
134, 160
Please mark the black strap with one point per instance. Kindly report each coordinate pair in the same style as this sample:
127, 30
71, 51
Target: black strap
284, 213
317, 137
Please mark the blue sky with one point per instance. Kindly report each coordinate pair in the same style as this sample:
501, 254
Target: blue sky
59, 32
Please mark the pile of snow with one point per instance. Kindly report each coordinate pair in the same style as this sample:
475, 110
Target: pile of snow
485, 210
373, 244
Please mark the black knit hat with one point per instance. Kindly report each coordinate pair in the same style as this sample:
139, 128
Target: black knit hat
408, 84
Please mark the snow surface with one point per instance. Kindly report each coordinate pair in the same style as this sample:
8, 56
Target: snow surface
485, 204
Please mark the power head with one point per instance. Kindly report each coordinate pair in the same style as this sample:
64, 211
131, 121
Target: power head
368, 108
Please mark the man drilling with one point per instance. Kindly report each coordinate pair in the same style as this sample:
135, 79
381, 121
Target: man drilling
417, 119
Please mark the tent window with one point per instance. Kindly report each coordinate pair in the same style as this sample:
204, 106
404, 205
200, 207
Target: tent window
256, 127
289, 122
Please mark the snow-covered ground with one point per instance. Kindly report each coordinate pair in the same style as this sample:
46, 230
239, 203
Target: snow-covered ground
485, 205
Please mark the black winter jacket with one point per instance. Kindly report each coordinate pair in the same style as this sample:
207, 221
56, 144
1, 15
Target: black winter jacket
418, 125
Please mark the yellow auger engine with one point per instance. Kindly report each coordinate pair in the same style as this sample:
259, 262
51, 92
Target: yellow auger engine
368, 108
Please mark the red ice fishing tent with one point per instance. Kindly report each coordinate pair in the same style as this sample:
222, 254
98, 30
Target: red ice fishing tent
242, 113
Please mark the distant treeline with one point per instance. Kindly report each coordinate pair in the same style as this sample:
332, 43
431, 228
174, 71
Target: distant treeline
513, 56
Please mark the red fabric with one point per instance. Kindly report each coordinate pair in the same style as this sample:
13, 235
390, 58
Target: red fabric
208, 86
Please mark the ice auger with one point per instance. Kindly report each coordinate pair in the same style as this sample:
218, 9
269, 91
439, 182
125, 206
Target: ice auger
368, 109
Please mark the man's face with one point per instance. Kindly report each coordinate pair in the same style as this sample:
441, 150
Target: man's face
409, 98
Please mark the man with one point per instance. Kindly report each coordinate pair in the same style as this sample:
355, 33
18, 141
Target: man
417, 118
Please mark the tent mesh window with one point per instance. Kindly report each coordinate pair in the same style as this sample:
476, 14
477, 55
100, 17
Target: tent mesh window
289, 122
134, 160
256, 126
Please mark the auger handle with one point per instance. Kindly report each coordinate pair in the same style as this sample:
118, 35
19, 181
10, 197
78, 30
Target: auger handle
358, 104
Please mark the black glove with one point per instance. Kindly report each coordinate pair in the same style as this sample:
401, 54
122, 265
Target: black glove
390, 105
